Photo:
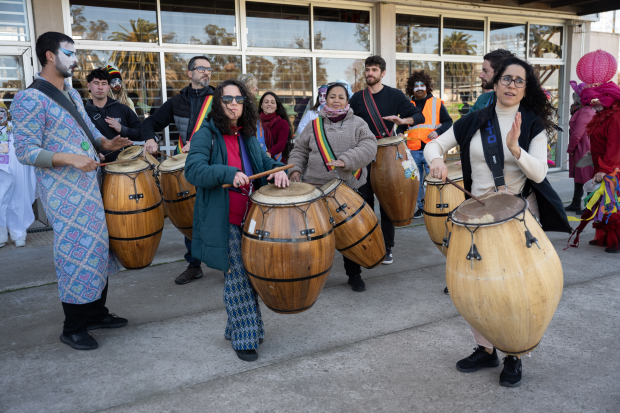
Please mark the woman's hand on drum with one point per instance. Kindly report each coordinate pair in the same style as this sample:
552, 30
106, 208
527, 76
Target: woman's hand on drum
151, 146
280, 179
295, 177
439, 170
338, 163
240, 180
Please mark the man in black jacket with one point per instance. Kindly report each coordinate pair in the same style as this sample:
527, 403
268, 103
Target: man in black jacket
183, 110
109, 116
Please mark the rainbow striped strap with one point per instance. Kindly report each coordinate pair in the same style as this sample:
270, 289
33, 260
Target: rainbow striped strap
325, 148
204, 111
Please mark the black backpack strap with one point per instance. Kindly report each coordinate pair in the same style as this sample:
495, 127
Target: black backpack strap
98, 120
491, 137
57, 96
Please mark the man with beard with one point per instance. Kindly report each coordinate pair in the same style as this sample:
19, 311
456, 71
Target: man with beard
184, 110
395, 109
53, 133
117, 88
492, 62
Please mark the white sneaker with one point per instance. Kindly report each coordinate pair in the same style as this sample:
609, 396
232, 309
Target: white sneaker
21, 241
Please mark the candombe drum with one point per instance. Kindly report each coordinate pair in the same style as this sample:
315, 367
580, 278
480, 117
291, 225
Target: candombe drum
439, 200
395, 180
288, 246
134, 151
503, 274
134, 213
178, 194
356, 228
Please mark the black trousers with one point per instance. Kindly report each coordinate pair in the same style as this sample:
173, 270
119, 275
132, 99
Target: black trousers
78, 316
387, 227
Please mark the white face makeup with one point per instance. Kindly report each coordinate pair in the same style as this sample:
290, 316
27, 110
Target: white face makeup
322, 96
416, 88
3, 116
66, 59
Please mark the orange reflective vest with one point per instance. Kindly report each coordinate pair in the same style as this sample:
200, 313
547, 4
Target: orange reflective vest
419, 133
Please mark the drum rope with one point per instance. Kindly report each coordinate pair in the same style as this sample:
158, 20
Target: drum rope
446, 238
247, 204
155, 175
306, 220
262, 225
135, 188
529, 238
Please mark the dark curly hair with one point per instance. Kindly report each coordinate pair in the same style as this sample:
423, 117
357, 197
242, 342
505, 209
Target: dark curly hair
281, 112
419, 76
375, 61
534, 97
98, 73
247, 120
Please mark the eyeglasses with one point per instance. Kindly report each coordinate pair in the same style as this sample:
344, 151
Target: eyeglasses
507, 80
202, 69
69, 53
115, 82
227, 99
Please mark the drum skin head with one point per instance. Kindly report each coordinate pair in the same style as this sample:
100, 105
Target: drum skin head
392, 140
455, 172
329, 187
173, 164
130, 153
128, 168
296, 193
498, 208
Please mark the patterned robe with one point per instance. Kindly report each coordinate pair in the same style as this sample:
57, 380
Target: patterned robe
71, 198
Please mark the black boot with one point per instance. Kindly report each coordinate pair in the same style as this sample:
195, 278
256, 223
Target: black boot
478, 359
577, 194
356, 283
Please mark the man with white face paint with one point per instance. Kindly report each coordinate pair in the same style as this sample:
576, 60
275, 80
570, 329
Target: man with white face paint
117, 88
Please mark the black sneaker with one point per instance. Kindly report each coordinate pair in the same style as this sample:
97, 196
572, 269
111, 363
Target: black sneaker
613, 250
189, 274
111, 321
388, 257
247, 355
445, 291
80, 341
418, 214
511, 375
478, 359
573, 207
356, 283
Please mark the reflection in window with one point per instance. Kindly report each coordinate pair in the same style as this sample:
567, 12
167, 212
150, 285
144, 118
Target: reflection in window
417, 34
121, 21
209, 22
463, 37
546, 41
404, 69
274, 25
139, 70
509, 36
14, 21
461, 87
340, 29
11, 78
329, 70
549, 77
288, 77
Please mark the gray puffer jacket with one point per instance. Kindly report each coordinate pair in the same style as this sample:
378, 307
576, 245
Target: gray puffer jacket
352, 143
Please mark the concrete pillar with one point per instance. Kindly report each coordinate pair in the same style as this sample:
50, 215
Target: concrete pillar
385, 44
47, 16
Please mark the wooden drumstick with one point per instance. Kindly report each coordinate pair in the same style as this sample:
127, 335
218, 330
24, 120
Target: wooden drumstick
117, 162
266, 173
450, 181
166, 155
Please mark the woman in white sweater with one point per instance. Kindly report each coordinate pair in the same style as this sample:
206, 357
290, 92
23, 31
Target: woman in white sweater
521, 116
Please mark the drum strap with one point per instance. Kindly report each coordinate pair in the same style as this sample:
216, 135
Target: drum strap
325, 148
375, 116
204, 111
493, 150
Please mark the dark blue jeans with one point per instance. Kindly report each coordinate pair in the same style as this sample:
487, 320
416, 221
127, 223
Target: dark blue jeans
418, 157
188, 256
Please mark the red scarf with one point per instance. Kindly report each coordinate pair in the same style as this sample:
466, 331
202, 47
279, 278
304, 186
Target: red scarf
267, 121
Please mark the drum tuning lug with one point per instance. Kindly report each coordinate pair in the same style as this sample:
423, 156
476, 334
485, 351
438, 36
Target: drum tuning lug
530, 239
262, 234
307, 232
341, 208
332, 220
446, 241
179, 194
136, 196
442, 206
473, 253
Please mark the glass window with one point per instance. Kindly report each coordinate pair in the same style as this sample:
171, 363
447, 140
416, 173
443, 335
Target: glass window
275, 25
11, 78
288, 77
549, 77
461, 87
116, 20
404, 69
139, 70
340, 29
509, 36
417, 34
463, 37
14, 21
546, 41
329, 70
209, 22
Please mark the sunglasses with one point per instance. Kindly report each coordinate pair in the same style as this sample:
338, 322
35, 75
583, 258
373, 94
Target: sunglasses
227, 99
507, 80
202, 69
69, 53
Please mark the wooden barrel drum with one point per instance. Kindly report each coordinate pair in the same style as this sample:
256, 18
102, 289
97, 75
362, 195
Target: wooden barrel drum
396, 192
439, 200
504, 276
178, 194
134, 213
356, 228
288, 246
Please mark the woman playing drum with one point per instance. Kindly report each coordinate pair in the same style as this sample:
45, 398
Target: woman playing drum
504, 148
353, 147
225, 151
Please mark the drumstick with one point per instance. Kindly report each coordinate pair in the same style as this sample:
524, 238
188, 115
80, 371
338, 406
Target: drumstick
463, 189
266, 173
167, 156
117, 162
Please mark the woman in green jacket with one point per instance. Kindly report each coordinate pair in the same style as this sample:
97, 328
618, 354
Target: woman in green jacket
225, 151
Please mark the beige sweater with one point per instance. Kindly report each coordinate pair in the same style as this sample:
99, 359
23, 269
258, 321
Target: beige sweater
352, 143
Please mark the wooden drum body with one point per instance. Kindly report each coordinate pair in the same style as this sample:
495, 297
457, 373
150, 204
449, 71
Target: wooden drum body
506, 278
178, 194
356, 228
396, 192
288, 246
133, 152
439, 200
134, 213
